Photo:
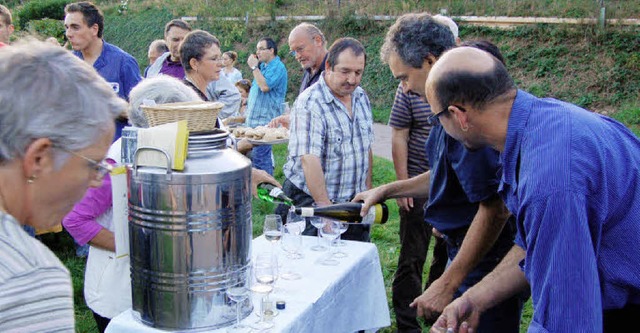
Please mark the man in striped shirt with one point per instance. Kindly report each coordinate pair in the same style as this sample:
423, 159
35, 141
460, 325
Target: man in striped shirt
331, 136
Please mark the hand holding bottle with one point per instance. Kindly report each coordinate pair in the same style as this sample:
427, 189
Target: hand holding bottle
260, 176
369, 198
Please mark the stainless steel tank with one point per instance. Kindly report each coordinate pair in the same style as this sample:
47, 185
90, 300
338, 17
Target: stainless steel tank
190, 236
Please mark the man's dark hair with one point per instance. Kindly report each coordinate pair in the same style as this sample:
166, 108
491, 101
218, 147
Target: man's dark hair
473, 88
342, 44
178, 23
91, 14
5, 14
271, 44
486, 46
414, 37
194, 46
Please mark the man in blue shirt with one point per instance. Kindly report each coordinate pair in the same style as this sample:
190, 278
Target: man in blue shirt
572, 179
266, 95
84, 24
461, 186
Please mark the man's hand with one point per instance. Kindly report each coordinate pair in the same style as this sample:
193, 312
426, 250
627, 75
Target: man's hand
260, 176
244, 146
370, 197
459, 316
405, 204
282, 120
431, 303
252, 61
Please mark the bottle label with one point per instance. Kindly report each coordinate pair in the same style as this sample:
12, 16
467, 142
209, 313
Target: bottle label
275, 192
306, 211
378, 214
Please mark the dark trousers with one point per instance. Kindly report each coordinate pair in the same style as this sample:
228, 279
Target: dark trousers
415, 235
357, 232
504, 317
101, 322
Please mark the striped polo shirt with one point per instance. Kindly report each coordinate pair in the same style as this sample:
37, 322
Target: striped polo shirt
321, 126
35, 288
411, 111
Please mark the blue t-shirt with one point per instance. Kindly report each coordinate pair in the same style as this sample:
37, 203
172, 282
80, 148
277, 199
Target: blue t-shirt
460, 180
572, 179
264, 106
120, 70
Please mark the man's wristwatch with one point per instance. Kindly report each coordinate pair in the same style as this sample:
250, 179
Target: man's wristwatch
253, 68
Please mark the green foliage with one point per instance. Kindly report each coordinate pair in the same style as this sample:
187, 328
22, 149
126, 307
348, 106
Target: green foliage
47, 28
40, 9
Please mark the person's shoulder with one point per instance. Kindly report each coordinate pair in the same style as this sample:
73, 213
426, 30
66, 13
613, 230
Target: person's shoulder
116, 51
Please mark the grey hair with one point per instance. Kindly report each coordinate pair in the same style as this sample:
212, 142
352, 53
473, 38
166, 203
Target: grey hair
449, 22
311, 31
161, 89
413, 37
159, 45
47, 92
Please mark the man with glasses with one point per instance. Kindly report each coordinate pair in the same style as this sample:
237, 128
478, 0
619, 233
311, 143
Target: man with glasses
266, 95
309, 47
461, 186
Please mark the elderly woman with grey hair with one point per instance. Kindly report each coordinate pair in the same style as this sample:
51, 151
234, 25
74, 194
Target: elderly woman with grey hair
201, 59
57, 119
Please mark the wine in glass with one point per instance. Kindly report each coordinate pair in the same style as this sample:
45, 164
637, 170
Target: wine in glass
330, 231
272, 228
265, 271
238, 292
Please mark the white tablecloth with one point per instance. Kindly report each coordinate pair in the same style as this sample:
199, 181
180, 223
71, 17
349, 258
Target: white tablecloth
343, 298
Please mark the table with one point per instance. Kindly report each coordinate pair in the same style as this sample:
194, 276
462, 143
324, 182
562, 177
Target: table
344, 298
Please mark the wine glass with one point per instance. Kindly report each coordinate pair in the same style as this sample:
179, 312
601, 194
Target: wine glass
295, 219
272, 228
317, 222
339, 242
264, 270
291, 243
330, 231
237, 292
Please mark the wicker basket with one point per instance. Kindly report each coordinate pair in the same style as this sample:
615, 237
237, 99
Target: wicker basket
201, 116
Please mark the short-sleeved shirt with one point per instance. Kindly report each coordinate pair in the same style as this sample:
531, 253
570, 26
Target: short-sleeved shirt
411, 111
264, 106
460, 180
572, 179
308, 78
172, 68
321, 126
35, 287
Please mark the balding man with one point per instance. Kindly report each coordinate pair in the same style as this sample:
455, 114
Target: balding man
156, 49
572, 179
308, 44
461, 186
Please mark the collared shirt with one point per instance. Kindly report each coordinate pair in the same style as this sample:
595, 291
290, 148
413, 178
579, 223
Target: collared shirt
321, 126
35, 287
172, 68
572, 179
411, 111
308, 79
264, 106
460, 180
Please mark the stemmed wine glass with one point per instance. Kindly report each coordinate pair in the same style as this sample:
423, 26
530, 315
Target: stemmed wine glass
339, 242
330, 231
272, 229
265, 271
297, 220
238, 292
317, 222
291, 243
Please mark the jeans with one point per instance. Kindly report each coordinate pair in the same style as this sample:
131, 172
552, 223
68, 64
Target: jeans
415, 235
357, 232
504, 317
262, 158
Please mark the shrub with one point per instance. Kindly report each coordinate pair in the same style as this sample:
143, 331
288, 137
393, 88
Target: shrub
40, 9
47, 28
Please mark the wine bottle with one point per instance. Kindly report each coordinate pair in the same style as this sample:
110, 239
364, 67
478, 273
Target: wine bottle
348, 212
271, 193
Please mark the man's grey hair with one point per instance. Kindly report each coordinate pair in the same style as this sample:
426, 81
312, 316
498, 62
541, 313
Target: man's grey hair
159, 45
311, 31
160, 89
47, 92
413, 37
446, 20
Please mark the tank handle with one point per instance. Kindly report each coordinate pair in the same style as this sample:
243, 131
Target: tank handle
135, 159
233, 142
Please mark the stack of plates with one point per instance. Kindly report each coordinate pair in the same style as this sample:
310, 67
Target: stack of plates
207, 142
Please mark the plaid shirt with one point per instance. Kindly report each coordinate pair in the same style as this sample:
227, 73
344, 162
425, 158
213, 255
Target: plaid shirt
321, 126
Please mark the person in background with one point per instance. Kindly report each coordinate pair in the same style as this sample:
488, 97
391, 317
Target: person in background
331, 135
156, 49
575, 193
243, 86
461, 185
266, 95
229, 60
169, 62
84, 26
6, 25
201, 59
51, 150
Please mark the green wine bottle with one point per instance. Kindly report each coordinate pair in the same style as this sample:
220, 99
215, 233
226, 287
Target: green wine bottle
271, 193
348, 212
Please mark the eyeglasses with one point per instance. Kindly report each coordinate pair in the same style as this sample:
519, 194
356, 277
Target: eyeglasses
297, 50
263, 48
100, 168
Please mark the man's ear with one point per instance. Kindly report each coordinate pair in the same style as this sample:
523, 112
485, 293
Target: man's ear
95, 28
38, 157
430, 59
462, 117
